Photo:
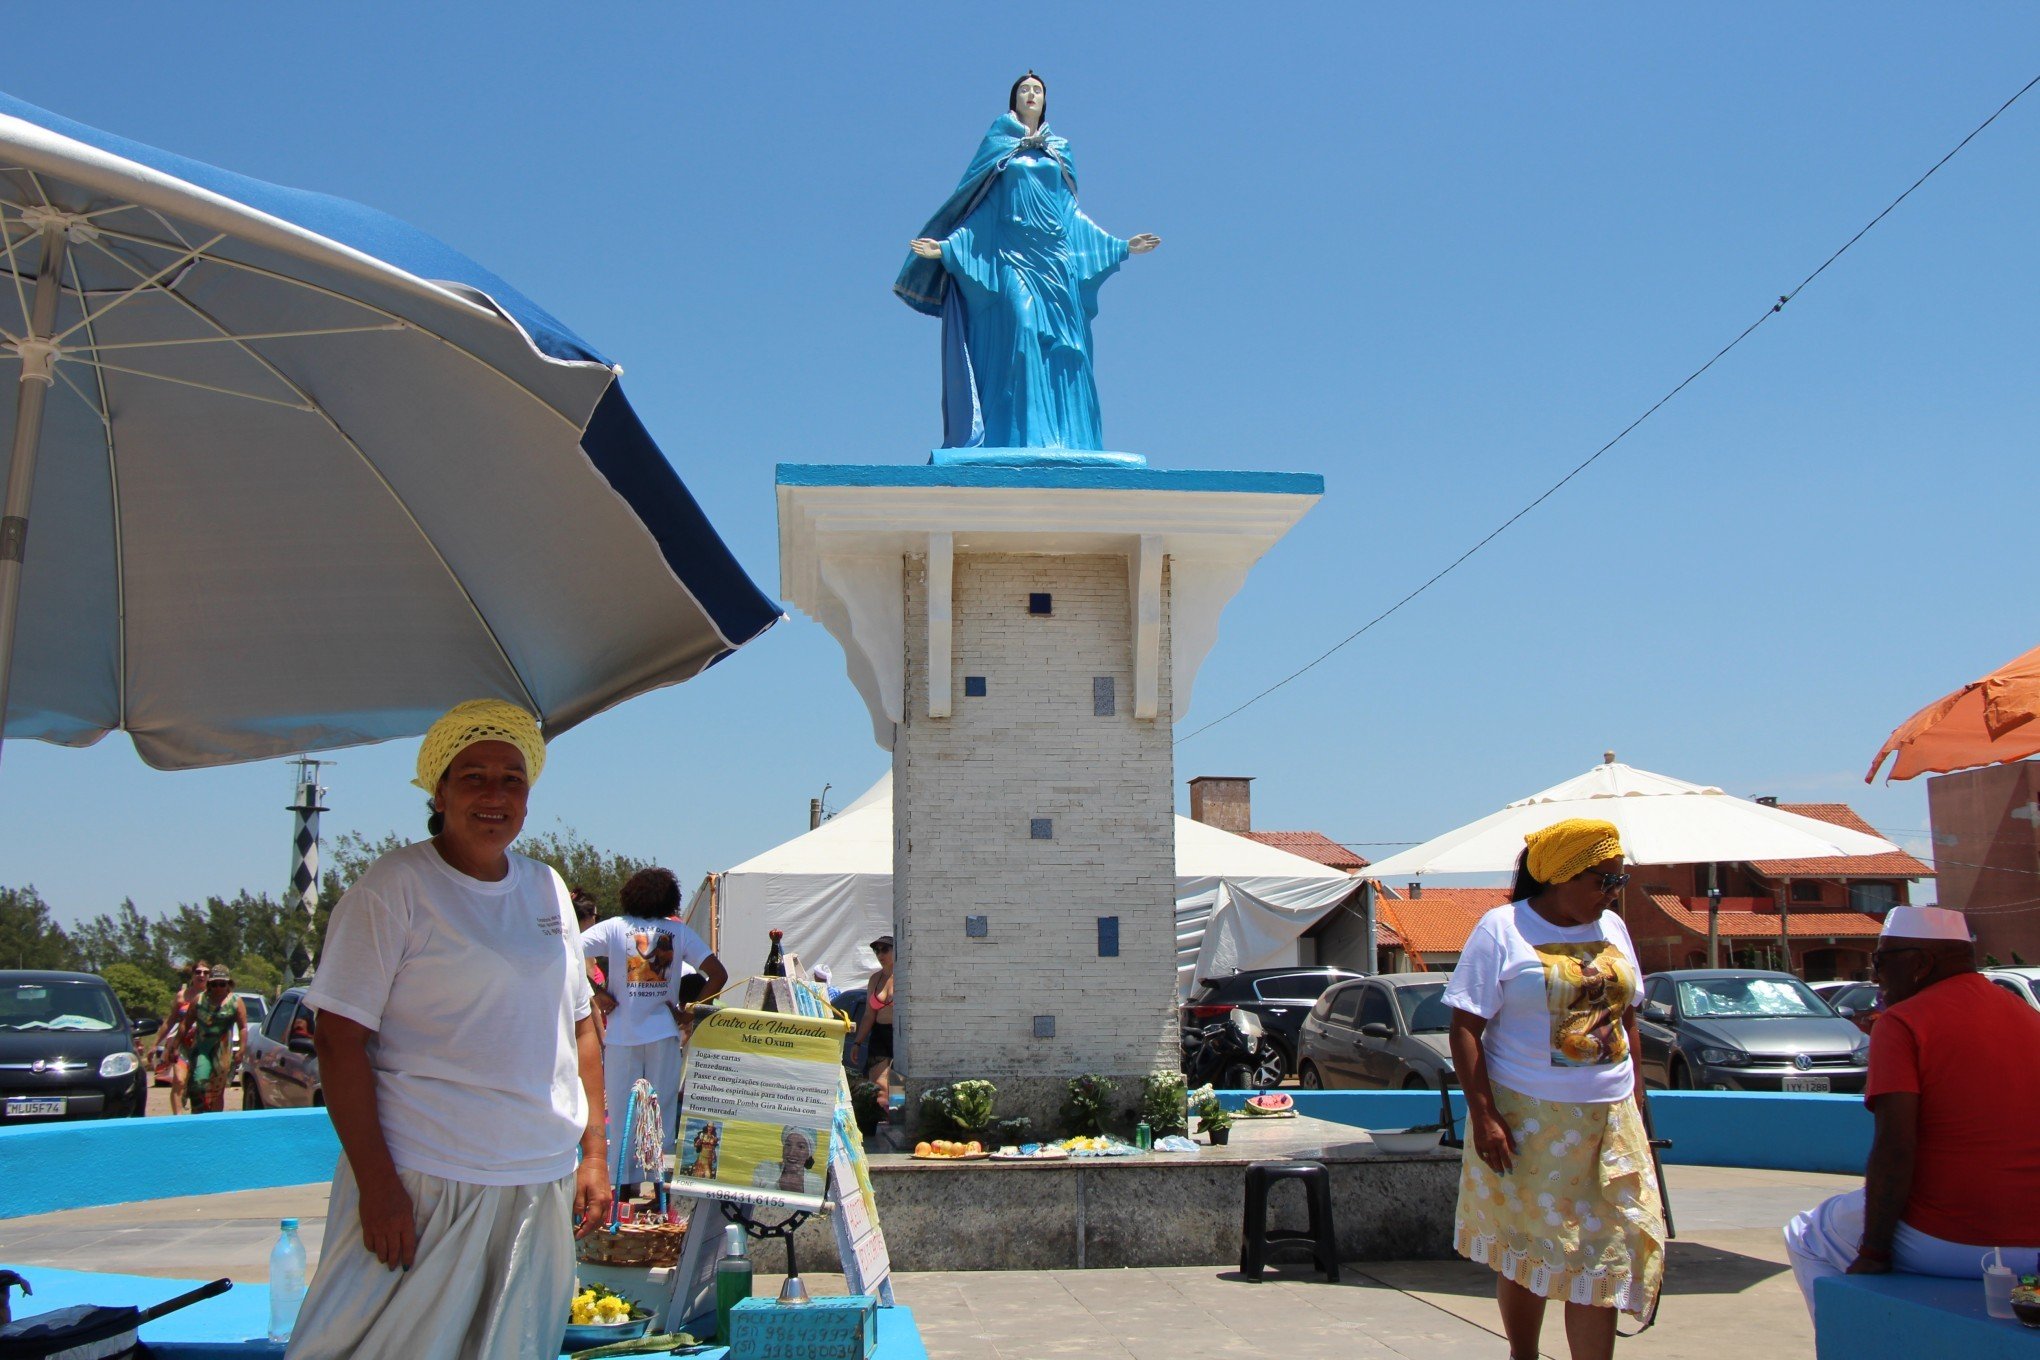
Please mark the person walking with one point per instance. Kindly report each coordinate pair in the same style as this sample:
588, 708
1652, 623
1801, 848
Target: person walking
170, 1057
211, 1025
1556, 1190
644, 954
462, 1073
1954, 1166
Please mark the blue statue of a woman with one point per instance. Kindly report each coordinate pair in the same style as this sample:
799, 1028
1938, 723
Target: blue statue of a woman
1013, 269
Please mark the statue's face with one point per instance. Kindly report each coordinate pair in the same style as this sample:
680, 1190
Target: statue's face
1028, 99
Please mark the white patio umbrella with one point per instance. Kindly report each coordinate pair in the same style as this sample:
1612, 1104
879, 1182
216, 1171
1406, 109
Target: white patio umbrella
302, 476
1662, 820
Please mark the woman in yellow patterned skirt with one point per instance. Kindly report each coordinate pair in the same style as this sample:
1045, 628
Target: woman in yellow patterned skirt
1557, 1192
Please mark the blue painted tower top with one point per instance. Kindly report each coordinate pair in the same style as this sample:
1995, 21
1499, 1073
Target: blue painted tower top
1012, 267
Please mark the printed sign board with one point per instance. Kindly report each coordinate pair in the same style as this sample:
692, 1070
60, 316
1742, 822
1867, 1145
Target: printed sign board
758, 1114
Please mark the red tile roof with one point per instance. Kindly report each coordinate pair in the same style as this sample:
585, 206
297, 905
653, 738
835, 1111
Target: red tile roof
1312, 845
1895, 865
1802, 925
1439, 921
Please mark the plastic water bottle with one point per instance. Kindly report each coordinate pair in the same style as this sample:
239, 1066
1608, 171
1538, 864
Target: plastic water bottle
286, 1282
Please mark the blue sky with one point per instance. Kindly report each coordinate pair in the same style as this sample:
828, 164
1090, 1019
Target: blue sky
1438, 256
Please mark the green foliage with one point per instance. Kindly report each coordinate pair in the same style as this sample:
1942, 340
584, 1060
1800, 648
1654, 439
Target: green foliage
962, 1110
1162, 1104
252, 933
29, 935
1991, 960
867, 1104
582, 865
254, 973
1013, 1132
1088, 1106
1212, 1117
141, 993
2017, 962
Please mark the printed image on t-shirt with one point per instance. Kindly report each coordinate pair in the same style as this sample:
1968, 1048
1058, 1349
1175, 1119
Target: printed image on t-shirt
650, 958
1587, 987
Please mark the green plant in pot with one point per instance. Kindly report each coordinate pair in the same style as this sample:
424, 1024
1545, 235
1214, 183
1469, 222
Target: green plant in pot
1012, 1132
867, 1105
1088, 1106
1162, 1104
961, 1110
1212, 1117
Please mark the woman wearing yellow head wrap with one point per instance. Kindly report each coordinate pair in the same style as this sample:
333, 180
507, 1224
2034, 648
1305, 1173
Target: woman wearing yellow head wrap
473, 1124
1556, 1191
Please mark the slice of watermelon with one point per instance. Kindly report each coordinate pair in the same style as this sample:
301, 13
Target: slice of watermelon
1271, 1102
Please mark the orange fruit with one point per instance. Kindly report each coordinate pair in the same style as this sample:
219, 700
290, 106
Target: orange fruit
974, 1146
923, 1150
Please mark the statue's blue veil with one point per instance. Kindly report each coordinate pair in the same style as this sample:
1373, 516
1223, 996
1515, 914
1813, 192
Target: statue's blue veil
924, 285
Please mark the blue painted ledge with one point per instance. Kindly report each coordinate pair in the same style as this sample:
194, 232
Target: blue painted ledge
1707, 1128
237, 1322
117, 1161
1904, 1317
1086, 478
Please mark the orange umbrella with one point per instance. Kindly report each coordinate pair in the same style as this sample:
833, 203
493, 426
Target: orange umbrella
1986, 722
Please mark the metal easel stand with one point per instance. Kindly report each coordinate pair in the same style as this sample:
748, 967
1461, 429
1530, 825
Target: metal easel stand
793, 1291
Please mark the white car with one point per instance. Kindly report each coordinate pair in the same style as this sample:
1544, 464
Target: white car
2021, 981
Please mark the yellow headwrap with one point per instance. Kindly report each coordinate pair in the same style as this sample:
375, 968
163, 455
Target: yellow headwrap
1564, 850
478, 720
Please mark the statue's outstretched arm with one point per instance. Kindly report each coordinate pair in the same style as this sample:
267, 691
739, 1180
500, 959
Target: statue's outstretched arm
929, 249
1141, 244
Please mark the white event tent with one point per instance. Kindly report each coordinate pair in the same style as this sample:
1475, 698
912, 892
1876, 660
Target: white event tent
1239, 904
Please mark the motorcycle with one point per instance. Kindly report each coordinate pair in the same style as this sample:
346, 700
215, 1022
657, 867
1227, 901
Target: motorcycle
1233, 1053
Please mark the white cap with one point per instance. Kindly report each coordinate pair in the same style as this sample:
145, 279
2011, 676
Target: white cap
822, 973
1926, 923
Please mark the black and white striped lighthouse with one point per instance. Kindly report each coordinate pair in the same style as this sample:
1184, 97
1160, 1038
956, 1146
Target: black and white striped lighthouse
304, 861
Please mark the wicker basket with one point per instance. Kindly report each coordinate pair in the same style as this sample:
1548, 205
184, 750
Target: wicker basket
634, 1244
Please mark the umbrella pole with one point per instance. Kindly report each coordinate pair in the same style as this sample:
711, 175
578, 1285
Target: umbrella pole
38, 355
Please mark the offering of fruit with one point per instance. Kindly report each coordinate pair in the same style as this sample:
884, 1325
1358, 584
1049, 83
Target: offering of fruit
943, 1147
1269, 1102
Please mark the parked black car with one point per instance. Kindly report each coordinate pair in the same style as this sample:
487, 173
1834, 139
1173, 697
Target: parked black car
1388, 1032
281, 1069
67, 1050
1734, 1029
1280, 996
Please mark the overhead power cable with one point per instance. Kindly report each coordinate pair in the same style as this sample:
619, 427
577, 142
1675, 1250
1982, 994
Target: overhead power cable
1622, 434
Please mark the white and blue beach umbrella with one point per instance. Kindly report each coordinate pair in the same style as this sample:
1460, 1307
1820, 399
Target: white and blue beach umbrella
288, 474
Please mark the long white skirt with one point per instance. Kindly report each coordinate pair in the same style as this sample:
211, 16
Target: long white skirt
492, 1280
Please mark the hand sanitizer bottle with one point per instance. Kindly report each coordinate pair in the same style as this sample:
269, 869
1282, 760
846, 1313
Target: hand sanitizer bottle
286, 1282
732, 1278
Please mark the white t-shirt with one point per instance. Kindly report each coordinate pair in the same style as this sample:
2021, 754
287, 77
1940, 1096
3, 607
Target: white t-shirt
472, 990
643, 983
1554, 999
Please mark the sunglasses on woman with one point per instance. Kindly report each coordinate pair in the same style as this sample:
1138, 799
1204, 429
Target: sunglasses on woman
1610, 882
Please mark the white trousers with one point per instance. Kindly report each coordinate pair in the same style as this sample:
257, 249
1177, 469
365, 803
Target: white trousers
1823, 1240
622, 1064
492, 1280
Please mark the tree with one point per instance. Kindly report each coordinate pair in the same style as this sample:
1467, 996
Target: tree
141, 993
29, 935
126, 936
577, 860
255, 973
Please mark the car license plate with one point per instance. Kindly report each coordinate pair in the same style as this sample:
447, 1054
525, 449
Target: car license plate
29, 1105
1806, 1083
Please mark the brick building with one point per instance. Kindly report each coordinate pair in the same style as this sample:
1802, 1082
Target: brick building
1815, 917
1987, 846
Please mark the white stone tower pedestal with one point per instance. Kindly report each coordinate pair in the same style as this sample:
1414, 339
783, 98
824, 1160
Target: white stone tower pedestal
1024, 637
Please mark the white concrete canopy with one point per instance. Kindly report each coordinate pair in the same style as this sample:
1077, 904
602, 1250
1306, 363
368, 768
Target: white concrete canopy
844, 533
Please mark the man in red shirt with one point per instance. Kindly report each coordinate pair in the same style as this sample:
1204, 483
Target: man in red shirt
1954, 1086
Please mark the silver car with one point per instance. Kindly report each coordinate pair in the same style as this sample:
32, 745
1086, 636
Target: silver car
1381, 1032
